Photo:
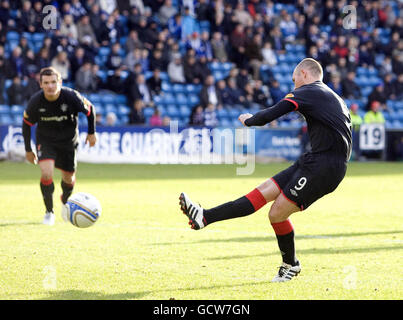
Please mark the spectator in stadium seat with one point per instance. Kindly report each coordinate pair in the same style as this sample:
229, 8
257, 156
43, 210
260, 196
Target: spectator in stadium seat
351, 90
275, 91
62, 64
30, 62
109, 32
133, 41
341, 47
253, 52
189, 24
399, 87
5, 16
116, 83
210, 115
277, 40
202, 10
269, 56
209, 93
111, 119
238, 41
190, 70
242, 78
175, 26
86, 80
378, 94
389, 87
69, 29
335, 84
64, 45
206, 49
16, 93
261, 95
27, 17
197, 116
156, 119
218, 47
16, 65
154, 83
115, 59
241, 15
136, 116
175, 70
77, 60
235, 97
132, 58
166, 121
374, 115
166, 12
97, 18
84, 29
24, 45
140, 91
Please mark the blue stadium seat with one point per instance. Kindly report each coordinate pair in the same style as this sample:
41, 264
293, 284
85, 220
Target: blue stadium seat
99, 108
172, 111
38, 37
168, 98
181, 98
166, 86
121, 99
123, 110
5, 119
225, 122
110, 108
4, 109
148, 112
193, 99
12, 36
94, 98
17, 110
108, 98
185, 111
17, 119
190, 88
178, 88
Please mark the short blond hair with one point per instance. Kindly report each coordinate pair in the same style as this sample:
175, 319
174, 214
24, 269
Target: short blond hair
311, 65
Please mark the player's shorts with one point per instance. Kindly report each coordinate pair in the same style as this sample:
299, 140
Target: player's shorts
64, 155
311, 177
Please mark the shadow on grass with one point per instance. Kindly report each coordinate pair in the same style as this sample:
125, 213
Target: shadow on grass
315, 251
16, 223
84, 295
273, 238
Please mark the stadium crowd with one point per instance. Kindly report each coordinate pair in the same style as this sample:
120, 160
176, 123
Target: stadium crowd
131, 47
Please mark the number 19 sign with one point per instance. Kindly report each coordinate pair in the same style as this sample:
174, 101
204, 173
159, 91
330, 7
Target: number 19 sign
372, 136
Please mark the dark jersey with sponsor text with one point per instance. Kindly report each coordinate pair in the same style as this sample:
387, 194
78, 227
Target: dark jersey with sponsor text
57, 121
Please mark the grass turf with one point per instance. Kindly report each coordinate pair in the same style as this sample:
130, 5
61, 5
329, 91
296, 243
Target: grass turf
349, 242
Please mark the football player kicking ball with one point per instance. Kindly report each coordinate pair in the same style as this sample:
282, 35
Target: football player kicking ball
312, 176
55, 111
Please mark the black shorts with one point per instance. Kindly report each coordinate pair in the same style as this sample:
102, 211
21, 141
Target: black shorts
311, 177
64, 155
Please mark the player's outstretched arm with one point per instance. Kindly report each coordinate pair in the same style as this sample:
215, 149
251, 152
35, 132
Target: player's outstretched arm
267, 115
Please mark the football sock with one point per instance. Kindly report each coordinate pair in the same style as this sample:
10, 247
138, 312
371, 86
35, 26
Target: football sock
241, 207
47, 188
285, 238
67, 190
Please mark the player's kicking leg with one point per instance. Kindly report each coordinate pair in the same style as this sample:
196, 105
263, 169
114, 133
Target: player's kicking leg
243, 206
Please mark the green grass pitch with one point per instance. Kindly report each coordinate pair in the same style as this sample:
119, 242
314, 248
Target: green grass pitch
350, 243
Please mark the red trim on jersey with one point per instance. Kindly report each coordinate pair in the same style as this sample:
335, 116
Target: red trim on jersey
89, 111
47, 182
256, 198
27, 122
282, 228
294, 102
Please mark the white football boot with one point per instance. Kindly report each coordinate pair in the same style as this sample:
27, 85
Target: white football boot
49, 219
286, 272
193, 211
